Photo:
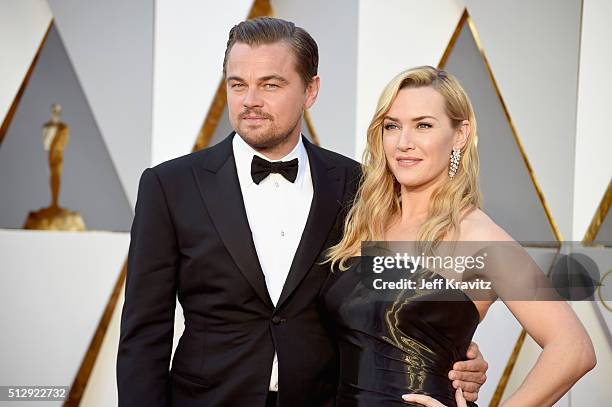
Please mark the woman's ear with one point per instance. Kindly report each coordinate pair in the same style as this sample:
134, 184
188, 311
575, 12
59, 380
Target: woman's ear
462, 134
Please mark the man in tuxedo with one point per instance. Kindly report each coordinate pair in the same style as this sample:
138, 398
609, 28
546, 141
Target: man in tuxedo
238, 231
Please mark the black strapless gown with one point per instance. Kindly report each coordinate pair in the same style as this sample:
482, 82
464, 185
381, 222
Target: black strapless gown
391, 344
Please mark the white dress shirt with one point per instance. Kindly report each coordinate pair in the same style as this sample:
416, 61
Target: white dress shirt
277, 210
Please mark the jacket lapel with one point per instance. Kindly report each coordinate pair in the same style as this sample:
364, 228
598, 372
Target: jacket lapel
328, 187
217, 178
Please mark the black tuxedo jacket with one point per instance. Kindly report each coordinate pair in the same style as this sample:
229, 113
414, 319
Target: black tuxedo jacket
190, 237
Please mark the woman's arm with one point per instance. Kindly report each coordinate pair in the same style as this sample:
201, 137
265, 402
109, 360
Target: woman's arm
567, 353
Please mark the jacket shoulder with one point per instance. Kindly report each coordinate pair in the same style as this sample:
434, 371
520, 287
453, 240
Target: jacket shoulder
181, 165
339, 159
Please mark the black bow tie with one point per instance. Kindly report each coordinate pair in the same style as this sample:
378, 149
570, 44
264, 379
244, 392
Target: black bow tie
261, 168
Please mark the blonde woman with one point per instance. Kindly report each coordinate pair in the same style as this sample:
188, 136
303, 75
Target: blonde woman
420, 184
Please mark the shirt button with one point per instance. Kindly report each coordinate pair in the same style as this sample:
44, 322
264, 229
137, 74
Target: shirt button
282, 233
276, 184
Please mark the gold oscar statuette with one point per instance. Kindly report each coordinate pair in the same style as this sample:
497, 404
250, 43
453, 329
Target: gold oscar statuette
54, 217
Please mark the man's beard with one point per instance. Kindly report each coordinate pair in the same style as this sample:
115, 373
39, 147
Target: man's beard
268, 140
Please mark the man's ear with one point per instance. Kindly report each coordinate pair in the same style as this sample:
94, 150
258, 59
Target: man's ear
312, 90
462, 134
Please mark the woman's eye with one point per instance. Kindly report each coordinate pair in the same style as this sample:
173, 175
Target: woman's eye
390, 126
425, 125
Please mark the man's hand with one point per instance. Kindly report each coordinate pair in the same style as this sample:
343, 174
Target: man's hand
469, 375
431, 402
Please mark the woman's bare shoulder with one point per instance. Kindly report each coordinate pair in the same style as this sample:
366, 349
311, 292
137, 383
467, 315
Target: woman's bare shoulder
476, 225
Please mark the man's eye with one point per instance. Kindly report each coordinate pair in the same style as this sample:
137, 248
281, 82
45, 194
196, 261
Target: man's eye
390, 126
426, 125
237, 85
270, 86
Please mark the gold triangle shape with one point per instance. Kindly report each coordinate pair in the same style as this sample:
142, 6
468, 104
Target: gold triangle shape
599, 217
77, 389
466, 19
24, 84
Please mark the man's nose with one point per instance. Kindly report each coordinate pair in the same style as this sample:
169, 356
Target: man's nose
252, 98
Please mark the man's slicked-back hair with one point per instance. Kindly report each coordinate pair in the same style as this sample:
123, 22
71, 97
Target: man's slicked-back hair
268, 30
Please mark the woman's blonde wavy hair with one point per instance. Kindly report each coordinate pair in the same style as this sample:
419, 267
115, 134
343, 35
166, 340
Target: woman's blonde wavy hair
378, 198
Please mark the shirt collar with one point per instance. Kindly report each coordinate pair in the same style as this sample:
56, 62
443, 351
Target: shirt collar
243, 155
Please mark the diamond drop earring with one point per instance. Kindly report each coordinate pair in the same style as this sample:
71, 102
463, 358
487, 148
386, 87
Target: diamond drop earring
454, 162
